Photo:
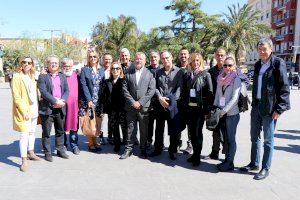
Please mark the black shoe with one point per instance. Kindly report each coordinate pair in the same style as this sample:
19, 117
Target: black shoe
48, 157
214, 155
148, 145
262, 174
126, 154
117, 148
191, 159
110, 140
155, 153
136, 143
144, 154
196, 162
227, 166
76, 151
62, 154
102, 141
188, 149
172, 156
249, 167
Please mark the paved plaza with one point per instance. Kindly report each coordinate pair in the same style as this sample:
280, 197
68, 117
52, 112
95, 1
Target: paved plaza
102, 176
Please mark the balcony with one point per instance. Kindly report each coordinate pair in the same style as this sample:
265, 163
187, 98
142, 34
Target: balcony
279, 38
281, 7
280, 23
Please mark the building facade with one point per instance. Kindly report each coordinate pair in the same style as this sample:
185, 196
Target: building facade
265, 8
284, 24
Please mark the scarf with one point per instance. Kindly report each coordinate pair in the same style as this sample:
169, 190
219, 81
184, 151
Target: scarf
225, 80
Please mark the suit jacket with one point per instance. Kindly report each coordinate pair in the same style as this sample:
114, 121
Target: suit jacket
87, 84
47, 100
141, 92
275, 92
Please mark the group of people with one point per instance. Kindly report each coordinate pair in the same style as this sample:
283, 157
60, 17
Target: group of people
130, 92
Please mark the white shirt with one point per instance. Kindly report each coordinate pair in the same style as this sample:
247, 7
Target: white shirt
106, 74
262, 70
138, 73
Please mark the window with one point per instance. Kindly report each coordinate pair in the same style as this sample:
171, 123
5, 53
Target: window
291, 29
267, 15
262, 18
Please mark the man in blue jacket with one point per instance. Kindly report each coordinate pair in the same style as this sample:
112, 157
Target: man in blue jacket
270, 98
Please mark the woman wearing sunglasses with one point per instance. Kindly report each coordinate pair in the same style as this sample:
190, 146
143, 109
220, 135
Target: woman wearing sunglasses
90, 83
227, 95
25, 109
112, 99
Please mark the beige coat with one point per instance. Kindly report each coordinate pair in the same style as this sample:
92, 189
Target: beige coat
21, 103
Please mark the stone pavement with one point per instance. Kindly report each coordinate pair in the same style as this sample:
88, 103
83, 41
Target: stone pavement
91, 176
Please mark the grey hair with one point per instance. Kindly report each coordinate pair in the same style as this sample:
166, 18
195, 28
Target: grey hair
264, 41
52, 56
66, 60
142, 54
124, 50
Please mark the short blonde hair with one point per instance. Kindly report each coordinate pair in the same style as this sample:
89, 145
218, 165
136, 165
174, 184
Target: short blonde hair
92, 51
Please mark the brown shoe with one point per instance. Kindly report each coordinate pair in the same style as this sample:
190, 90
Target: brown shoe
32, 156
24, 166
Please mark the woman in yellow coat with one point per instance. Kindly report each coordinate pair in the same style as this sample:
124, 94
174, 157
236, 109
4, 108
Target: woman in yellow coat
25, 109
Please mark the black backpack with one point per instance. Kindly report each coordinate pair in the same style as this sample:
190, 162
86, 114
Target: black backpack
243, 98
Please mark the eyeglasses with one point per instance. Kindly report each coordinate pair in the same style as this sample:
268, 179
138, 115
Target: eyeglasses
92, 56
26, 62
229, 65
115, 68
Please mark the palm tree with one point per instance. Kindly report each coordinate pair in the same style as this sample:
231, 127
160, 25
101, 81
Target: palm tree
240, 29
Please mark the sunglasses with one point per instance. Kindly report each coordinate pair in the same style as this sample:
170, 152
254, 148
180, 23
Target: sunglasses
92, 56
115, 68
26, 62
225, 65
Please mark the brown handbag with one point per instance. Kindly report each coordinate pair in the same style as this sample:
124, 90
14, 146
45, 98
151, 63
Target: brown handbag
88, 123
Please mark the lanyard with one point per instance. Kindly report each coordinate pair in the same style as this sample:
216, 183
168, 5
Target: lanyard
224, 89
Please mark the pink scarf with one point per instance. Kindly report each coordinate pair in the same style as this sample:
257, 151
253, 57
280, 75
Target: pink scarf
225, 80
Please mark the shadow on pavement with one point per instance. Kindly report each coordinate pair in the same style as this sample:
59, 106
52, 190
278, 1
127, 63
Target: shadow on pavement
291, 148
9, 150
286, 136
290, 131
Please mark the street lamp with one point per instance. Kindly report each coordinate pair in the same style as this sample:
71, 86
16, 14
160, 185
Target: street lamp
52, 30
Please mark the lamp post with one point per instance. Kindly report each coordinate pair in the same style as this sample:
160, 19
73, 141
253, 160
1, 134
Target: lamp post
52, 30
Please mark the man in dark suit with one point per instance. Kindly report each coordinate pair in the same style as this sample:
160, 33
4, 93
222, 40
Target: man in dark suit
138, 88
125, 60
270, 98
54, 93
168, 89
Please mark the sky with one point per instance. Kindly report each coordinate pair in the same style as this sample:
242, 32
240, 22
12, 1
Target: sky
30, 18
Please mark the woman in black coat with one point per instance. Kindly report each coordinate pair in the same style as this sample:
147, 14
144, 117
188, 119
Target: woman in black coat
198, 96
112, 102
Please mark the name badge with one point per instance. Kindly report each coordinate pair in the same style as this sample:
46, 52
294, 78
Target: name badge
222, 101
192, 93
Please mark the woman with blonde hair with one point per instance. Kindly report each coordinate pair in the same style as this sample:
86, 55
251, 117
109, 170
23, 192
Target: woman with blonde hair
112, 101
90, 81
197, 94
25, 108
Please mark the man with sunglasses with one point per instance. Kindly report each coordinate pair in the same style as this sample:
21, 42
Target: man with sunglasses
270, 98
54, 93
138, 88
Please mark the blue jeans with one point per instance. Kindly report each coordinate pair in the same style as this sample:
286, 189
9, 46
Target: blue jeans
73, 139
231, 126
267, 124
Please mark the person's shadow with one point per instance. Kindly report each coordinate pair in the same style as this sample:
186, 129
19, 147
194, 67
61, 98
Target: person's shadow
9, 150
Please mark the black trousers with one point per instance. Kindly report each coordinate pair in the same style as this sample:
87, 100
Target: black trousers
132, 118
195, 126
57, 117
159, 132
118, 118
152, 117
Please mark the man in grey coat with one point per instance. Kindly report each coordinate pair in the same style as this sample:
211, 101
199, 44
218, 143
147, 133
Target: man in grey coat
138, 88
